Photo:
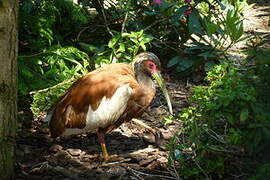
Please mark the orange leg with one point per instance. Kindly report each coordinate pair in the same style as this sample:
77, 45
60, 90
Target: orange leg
101, 139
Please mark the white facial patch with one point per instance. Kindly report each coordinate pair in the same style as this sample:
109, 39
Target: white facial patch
107, 112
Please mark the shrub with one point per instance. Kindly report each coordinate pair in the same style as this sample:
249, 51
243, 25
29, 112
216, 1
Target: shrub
229, 120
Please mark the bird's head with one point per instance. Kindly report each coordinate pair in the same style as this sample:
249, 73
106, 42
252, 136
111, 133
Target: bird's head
149, 64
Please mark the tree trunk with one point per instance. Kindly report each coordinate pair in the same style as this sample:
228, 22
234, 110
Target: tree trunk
8, 85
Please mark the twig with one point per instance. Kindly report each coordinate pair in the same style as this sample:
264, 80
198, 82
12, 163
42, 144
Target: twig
49, 88
104, 17
32, 55
154, 23
124, 23
215, 136
201, 169
140, 123
175, 171
174, 49
81, 31
151, 175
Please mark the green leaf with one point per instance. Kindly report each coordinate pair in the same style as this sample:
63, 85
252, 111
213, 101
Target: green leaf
121, 47
244, 115
174, 61
125, 35
194, 23
113, 41
208, 66
184, 64
147, 39
210, 27
208, 54
237, 31
143, 46
134, 39
179, 13
88, 47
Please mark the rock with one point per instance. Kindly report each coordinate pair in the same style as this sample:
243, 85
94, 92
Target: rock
55, 148
74, 152
116, 171
145, 162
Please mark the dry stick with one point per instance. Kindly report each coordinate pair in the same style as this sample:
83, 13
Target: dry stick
175, 171
154, 23
49, 88
152, 175
104, 17
124, 23
81, 31
140, 123
205, 174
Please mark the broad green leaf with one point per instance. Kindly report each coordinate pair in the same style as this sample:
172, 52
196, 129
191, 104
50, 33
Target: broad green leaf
179, 13
175, 60
239, 30
210, 27
147, 38
184, 64
208, 54
194, 23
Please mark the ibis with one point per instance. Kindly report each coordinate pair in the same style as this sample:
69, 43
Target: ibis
103, 99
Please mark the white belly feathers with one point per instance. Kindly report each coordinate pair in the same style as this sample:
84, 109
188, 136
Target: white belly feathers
107, 113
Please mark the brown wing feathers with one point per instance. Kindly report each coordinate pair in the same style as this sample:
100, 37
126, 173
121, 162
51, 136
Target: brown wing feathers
71, 109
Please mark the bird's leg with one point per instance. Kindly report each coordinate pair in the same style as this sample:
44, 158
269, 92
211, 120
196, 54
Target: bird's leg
101, 139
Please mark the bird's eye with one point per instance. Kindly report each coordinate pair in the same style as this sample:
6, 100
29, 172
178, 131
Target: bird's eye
151, 65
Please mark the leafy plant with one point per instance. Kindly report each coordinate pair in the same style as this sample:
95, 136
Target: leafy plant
121, 48
214, 27
228, 118
50, 67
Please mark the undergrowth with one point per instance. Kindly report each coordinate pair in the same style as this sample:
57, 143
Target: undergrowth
226, 133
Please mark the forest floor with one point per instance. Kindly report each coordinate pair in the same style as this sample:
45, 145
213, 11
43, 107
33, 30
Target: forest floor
139, 157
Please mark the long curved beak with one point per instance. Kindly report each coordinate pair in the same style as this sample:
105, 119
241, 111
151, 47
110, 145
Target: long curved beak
157, 76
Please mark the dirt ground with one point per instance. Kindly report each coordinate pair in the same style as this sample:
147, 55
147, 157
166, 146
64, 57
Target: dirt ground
138, 157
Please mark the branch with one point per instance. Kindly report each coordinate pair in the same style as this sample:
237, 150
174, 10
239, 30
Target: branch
124, 23
104, 17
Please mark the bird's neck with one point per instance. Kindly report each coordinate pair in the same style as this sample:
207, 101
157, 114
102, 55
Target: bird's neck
145, 80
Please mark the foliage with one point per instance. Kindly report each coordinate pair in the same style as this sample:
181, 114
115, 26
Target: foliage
50, 67
43, 23
45, 98
214, 27
47, 55
166, 28
231, 117
125, 46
